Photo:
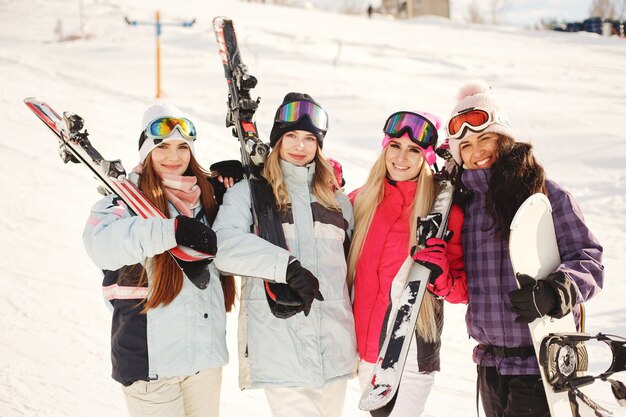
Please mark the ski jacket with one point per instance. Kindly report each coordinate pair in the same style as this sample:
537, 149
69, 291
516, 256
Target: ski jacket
490, 276
385, 248
299, 351
180, 339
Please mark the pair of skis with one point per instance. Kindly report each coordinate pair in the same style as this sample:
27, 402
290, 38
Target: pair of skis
74, 145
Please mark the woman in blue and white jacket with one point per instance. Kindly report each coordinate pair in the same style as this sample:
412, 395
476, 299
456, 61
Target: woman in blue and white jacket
168, 336
301, 355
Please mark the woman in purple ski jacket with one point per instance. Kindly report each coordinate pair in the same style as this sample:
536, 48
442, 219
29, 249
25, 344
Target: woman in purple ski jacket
497, 175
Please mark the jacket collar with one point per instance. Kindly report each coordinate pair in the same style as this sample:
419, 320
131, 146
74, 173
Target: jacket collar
477, 180
296, 175
400, 191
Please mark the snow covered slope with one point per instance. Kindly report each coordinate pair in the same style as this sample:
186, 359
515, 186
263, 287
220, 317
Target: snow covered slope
564, 92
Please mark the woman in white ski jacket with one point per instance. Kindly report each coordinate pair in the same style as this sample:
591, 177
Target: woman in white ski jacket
168, 336
302, 355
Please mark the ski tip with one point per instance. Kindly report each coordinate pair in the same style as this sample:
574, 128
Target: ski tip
219, 20
33, 100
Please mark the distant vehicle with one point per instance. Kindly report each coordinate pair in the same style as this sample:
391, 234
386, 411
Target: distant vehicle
599, 25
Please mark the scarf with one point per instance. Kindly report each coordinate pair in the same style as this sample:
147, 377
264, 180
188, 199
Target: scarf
182, 191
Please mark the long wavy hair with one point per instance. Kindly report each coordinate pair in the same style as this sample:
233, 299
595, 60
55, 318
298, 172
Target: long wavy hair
167, 278
324, 186
516, 175
367, 201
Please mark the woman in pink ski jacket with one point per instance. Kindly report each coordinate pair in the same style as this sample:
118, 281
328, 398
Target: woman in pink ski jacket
399, 189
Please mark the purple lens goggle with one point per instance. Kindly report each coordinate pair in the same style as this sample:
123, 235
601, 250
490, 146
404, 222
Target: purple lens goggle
421, 131
292, 112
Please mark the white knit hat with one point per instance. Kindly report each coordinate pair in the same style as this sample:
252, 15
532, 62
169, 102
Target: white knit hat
477, 95
146, 143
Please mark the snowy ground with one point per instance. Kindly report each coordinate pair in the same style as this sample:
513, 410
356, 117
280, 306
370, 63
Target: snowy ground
565, 92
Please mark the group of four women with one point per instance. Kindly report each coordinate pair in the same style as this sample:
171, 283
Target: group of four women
342, 253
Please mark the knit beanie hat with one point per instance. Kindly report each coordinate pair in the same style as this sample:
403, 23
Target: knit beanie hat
147, 143
303, 123
477, 95
429, 153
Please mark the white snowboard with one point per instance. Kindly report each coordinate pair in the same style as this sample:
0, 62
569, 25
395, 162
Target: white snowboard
534, 251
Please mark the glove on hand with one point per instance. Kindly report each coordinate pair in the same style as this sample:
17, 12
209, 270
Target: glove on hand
195, 235
434, 257
231, 168
554, 295
304, 284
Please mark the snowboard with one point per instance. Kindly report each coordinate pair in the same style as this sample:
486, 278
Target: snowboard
534, 251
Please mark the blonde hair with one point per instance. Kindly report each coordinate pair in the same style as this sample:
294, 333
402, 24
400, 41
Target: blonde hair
324, 187
367, 201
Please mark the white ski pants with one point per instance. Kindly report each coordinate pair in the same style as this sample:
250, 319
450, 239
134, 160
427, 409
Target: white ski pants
192, 396
414, 385
307, 402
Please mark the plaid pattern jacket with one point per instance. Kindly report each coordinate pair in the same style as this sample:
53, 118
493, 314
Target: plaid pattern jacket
490, 275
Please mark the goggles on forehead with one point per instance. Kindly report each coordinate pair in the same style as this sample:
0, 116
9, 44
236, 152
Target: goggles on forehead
473, 119
292, 112
420, 129
164, 126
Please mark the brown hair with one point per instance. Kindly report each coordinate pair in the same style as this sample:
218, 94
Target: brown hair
516, 175
167, 277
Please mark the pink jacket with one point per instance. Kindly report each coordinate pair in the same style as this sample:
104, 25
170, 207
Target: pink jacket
385, 248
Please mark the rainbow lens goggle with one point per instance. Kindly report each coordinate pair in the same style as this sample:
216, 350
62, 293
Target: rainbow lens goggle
473, 119
292, 112
420, 129
164, 126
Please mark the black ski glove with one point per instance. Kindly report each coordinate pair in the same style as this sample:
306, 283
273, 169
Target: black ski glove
554, 295
195, 235
304, 284
226, 169
230, 168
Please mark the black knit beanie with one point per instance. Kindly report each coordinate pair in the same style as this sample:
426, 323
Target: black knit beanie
304, 123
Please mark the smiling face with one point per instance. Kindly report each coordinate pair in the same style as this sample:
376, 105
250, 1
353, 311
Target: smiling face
403, 159
298, 147
479, 152
171, 157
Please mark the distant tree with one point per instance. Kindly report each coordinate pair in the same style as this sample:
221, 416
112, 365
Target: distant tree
497, 8
602, 8
546, 24
474, 14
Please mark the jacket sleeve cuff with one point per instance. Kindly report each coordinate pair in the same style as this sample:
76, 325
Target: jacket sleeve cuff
280, 273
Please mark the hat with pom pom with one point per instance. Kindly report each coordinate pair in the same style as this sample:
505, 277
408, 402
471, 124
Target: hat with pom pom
476, 95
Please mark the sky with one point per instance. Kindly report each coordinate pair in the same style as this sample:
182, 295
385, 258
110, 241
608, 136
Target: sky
565, 92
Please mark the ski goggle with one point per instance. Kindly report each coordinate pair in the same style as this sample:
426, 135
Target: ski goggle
292, 112
473, 119
420, 130
164, 126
